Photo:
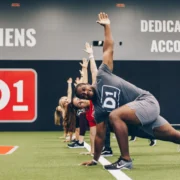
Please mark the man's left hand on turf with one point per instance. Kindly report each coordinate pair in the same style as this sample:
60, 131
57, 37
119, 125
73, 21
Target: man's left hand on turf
89, 163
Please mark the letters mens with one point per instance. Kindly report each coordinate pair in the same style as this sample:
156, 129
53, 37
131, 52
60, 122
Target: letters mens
11, 37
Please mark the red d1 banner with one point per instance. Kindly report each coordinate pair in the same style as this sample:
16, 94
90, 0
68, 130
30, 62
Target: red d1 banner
18, 95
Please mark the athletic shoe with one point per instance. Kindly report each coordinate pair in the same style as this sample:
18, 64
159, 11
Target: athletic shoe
133, 138
152, 142
106, 152
74, 140
119, 164
76, 145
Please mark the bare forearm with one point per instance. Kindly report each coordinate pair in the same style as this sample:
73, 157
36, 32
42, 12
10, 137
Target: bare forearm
99, 143
69, 91
108, 41
93, 69
85, 75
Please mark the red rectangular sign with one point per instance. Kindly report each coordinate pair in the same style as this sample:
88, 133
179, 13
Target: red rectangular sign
18, 95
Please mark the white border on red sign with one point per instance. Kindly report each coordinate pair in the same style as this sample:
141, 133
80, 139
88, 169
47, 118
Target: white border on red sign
35, 117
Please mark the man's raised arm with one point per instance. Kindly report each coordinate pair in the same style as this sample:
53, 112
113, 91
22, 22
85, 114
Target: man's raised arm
108, 41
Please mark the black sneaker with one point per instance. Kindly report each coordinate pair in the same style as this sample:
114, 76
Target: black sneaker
74, 140
106, 152
152, 142
119, 164
76, 145
133, 138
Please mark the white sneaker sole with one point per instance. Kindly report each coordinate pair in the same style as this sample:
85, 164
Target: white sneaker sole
78, 147
124, 168
109, 155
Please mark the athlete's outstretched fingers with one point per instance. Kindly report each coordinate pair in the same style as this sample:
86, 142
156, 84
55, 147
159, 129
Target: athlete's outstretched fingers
99, 18
87, 45
83, 164
85, 153
88, 163
101, 15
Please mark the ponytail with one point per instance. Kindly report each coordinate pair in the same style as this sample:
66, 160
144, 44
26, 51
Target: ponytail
69, 121
57, 117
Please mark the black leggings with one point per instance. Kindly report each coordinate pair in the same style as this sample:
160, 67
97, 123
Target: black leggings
82, 123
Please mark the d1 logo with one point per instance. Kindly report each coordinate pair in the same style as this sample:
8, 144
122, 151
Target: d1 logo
18, 95
110, 97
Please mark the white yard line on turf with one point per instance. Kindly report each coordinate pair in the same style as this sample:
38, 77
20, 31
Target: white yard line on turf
118, 174
12, 150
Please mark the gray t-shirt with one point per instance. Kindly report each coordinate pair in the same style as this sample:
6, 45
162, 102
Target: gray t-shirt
112, 92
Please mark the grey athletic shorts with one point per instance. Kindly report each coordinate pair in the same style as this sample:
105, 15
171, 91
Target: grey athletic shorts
147, 110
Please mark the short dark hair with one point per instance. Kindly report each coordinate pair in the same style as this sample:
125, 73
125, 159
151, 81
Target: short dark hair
78, 85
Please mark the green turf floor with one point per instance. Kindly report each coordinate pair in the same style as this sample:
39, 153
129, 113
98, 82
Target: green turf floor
42, 156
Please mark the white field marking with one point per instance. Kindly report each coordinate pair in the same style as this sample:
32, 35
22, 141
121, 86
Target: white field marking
12, 150
118, 174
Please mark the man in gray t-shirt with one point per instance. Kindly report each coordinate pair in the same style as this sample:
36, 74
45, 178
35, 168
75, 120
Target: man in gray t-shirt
123, 105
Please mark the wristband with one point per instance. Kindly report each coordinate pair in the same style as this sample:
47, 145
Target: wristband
94, 161
91, 56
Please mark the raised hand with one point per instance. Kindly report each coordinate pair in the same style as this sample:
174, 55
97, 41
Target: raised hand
84, 63
88, 48
77, 80
103, 19
69, 80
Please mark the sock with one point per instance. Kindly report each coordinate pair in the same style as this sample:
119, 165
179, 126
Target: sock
124, 159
